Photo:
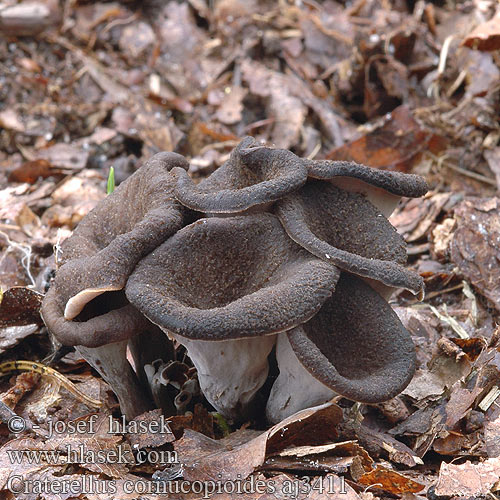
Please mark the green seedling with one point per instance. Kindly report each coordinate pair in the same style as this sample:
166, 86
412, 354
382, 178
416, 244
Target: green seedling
111, 181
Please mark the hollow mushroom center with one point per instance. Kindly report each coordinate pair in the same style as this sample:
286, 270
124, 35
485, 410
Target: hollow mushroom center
221, 278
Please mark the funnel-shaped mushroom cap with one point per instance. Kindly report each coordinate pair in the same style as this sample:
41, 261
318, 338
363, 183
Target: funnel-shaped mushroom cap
102, 323
356, 345
253, 175
228, 278
345, 229
107, 244
383, 188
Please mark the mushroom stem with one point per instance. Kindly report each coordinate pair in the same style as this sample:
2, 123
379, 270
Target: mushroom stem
111, 362
230, 372
295, 388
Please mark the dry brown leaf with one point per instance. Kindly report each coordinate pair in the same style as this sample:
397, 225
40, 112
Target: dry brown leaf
451, 445
10, 120
390, 480
397, 145
31, 171
415, 219
10, 467
287, 110
476, 245
64, 156
206, 459
149, 439
486, 36
460, 403
468, 479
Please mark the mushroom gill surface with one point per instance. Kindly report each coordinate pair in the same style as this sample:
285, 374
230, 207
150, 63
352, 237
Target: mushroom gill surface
253, 175
356, 346
345, 229
229, 278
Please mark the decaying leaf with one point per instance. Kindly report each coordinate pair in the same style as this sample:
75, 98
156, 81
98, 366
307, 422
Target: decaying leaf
206, 459
397, 145
486, 36
476, 245
390, 480
468, 479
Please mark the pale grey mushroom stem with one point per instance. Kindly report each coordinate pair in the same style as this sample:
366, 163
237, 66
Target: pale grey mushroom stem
295, 388
111, 362
230, 372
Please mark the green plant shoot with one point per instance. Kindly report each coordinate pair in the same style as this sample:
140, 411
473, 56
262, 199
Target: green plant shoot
111, 181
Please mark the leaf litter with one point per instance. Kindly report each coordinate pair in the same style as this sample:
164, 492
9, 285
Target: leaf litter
410, 86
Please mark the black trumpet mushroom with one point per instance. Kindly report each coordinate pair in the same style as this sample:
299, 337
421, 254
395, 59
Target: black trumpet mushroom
269, 250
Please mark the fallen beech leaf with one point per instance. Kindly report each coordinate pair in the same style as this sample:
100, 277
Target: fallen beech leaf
414, 220
65, 156
27, 220
396, 145
149, 439
200, 421
486, 36
8, 467
468, 479
206, 459
288, 110
390, 480
451, 445
10, 120
476, 245
31, 171
460, 403
471, 347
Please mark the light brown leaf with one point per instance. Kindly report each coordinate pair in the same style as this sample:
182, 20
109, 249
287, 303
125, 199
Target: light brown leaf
468, 479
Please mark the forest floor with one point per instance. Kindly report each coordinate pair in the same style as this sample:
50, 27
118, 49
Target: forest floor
412, 86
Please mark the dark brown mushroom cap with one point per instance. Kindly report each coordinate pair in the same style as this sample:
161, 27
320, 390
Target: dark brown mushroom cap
252, 176
139, 215
106, 328
228, 278
356, 344
347, 230
397, 183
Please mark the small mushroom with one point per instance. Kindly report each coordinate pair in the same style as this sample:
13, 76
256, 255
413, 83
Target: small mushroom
253, 175
355, 346
222, 287
345, 229
86, 305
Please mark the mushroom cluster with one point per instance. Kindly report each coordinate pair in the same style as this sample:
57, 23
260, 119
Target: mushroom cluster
271, 250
